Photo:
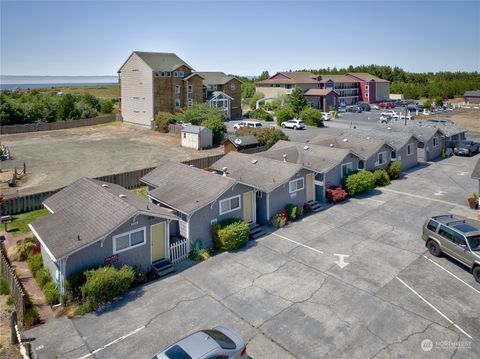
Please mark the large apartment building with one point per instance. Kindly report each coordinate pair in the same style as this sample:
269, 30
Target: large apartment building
151, 82
326, 91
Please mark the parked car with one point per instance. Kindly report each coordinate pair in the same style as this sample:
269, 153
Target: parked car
219, 342
356, 109
364, 106
326, 116
457, 237
253, 124
465, 147
374, 106
415, 107
386, 105
295, 124
389, 113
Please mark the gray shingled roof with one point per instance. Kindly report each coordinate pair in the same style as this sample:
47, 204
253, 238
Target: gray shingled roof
476, 171
394, 139
215, 78
424, 130
193, 129
257, 171
362, 148
185, 188
159, 61
246, 140
314, 157
475, 93
446, 126
89, 211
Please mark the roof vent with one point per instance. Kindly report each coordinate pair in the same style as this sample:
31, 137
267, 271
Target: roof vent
122, 196
104, 185
78, 237
345, 140
224, 170
331, 145
254, 161
368, 137
284, 157
306, 148
389, 128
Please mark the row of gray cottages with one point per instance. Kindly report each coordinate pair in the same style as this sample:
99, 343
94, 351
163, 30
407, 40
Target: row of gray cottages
94, 223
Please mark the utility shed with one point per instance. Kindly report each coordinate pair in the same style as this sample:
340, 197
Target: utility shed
197, 137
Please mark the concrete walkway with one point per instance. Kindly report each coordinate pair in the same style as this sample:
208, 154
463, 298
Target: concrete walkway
27, 280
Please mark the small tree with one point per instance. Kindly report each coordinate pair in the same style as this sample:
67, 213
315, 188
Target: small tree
162, 120
198, 113
438, 101
218, 128
253, 101
248, 90
297, 101
107, 106
284, 113
427, 104
265, 136
311, 117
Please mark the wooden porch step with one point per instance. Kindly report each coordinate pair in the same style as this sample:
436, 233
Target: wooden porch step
314, 206
163, 267
256, 230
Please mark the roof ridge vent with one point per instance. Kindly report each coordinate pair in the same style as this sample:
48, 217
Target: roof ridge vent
104, 185
122, 196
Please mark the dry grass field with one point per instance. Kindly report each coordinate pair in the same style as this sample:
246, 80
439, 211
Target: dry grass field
468, 119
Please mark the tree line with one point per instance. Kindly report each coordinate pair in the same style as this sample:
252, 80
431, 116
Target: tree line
34, 106
413, 85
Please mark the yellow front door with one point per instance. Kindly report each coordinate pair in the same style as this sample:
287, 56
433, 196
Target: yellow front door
158, 241
310, 187
248, 206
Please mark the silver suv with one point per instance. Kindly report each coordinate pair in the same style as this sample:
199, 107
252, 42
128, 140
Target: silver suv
455, 236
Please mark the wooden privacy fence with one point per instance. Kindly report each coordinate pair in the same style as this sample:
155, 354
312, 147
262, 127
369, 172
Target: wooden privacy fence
16, 288
178, 251
61, 125
174, 128
19, 204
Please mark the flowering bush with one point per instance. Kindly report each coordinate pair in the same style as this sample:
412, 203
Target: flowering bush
280, 219
293, 211
336, 194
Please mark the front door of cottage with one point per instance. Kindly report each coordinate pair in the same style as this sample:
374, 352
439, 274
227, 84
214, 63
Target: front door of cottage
158, 241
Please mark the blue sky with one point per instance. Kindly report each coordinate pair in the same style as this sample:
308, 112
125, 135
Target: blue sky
241, 37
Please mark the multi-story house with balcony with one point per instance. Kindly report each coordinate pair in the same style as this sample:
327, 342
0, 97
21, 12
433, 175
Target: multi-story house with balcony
327, 91
151, 82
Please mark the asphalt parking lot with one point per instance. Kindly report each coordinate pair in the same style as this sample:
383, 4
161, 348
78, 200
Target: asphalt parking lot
352, 281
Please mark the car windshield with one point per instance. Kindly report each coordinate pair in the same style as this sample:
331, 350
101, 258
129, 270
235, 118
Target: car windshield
221, 339
465, 143
176, 352
474, 243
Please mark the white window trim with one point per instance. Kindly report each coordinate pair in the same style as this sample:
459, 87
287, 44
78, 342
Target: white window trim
378, 163
366, 87
437, 140
232, 87
296, 180
181, 74
190, 88
229, 199
177, 89
347, 164
409, 146
114, 240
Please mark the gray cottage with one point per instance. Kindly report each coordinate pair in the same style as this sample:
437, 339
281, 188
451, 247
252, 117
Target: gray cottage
199, 199
330, 164
276, 183
94, 223
373, 153
404, 144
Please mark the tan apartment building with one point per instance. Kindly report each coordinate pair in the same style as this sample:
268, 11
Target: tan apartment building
151, 82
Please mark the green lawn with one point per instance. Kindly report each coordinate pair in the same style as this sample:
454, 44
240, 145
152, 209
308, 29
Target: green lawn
19, 224
106, 92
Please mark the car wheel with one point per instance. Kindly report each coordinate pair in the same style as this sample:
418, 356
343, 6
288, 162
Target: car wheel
295, 127
434, 248
476, 273
469, 153
283, 125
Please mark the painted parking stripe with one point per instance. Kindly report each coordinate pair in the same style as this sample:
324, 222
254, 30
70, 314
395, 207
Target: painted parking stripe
418, 196
300, 244
113, 342
434, 308
453, 275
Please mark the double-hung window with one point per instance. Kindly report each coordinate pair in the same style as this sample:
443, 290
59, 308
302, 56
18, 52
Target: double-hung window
232, 87
296, 185
435, 141
382, 158
177, 103
177, 89
347, 168
229, 204
190, 102
190, 89
126, 241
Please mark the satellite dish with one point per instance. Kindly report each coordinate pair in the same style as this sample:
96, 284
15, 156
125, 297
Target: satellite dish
238, 141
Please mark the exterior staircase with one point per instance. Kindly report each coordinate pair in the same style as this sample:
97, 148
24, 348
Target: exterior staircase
256, 230
314, 206
163, 267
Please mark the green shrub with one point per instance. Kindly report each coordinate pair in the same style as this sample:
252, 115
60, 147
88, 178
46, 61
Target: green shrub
106, 106
200, 256
280, 219
4, 290
300, 211
73, 285
283, 114
50, 292
381, 178
311, 117
260, 115
140, 277
35, 263
393, 169
197, 113
26, 247
271, 105
358, 182
105, 283
218, 128
10, 300
162, 120
230, 234
31, 316
42, 277
253, 100
265, 136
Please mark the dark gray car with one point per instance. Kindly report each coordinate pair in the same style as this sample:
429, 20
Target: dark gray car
456, 236
465, 147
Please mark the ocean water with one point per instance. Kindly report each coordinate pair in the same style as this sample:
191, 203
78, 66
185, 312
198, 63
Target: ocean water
9, 82
48, 85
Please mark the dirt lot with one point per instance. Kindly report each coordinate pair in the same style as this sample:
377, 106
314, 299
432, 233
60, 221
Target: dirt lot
468, 119
57, 158
7, 350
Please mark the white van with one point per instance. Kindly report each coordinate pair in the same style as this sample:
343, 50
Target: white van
253, 124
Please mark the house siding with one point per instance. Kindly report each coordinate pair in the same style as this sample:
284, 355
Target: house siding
408, 161
95, 254
382, 90
370, 162
235, 105
48, 263
136, 92
200, 227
